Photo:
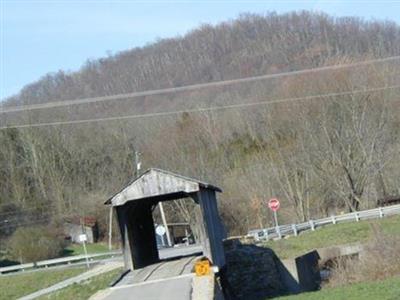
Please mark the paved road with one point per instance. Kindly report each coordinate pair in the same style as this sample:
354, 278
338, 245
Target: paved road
116, 262
99, 269
174, 288
167, 279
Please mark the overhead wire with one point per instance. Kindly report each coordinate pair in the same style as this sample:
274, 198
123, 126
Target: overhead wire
204, 109
192, 87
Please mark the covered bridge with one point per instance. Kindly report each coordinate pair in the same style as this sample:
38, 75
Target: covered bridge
134, 205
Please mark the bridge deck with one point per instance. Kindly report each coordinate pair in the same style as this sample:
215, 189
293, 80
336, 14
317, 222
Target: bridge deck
162, 270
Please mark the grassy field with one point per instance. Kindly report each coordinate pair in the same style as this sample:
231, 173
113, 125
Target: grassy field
388, 289
331, 235
85, 289
73, 249
16, 285
77, 249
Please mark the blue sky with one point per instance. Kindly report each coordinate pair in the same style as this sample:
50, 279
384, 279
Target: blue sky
38, 37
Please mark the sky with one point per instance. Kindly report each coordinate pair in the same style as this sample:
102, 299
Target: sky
40, 37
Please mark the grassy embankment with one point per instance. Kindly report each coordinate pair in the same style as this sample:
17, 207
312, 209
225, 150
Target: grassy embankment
17, 285
388, 289
77, 249
84, 290
331, 235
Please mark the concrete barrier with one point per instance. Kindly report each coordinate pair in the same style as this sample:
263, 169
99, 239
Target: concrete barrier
330, 253
203, 287
301, 274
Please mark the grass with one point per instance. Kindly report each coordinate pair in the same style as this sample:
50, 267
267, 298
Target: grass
331, 235
77, 249
388, 289
71, 250
85, 289
17, 285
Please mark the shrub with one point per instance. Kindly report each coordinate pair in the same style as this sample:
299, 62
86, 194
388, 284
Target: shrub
379, 260
35, 244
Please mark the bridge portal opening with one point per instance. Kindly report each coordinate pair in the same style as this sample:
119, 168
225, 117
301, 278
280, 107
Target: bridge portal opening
134, 206
175, 223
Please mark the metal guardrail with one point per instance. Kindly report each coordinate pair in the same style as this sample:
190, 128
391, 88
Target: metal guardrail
56, 261
295, 229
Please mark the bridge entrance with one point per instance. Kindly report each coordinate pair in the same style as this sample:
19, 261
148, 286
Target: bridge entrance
134, 206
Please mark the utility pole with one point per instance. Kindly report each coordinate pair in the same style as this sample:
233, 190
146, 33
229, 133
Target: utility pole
110, 229
138, 163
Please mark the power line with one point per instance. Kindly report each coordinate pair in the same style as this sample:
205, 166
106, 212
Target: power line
191, 87
197, 110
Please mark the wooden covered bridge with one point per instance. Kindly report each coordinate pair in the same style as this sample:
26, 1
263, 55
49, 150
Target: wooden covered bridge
147, 272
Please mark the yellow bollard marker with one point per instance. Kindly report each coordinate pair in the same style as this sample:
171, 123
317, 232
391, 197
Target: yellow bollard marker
202, 268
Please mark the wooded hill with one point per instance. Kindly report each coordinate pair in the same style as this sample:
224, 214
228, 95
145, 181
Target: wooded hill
318, 155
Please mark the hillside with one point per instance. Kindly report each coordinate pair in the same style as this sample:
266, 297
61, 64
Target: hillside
315, 155
249, 45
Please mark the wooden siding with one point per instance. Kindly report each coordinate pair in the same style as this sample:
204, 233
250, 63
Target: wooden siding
153, 184
134, 210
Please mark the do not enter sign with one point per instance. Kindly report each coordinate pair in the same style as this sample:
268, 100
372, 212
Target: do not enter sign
274, 204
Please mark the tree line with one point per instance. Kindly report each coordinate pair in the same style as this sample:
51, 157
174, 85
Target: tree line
319, 156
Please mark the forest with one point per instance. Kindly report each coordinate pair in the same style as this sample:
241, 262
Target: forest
326, 143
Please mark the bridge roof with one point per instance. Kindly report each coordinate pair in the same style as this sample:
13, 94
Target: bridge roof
159, 183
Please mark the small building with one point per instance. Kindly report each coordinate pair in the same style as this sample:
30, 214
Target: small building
180, 233
134, 205
75, 226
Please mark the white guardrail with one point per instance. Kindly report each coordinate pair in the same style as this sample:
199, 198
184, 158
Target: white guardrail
295, 229
57, 261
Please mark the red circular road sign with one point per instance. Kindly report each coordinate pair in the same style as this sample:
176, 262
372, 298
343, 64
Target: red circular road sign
274, 204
